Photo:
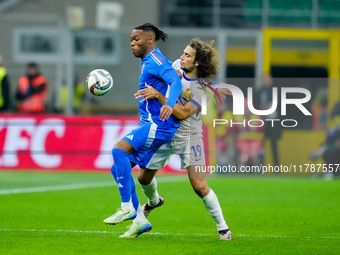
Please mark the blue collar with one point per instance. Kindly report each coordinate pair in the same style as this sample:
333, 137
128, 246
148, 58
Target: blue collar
194, 79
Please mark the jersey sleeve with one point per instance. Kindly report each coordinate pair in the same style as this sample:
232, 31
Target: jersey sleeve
162, 69
158, 64
159, 70
171, 78
198, 92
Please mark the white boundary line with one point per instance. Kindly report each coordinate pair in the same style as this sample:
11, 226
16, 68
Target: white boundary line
73, 186
54, 188
159, 233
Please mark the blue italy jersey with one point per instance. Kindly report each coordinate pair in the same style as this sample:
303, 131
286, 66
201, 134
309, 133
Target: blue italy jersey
157, 72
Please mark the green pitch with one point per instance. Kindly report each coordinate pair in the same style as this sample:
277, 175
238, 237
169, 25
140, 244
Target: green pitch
62, 213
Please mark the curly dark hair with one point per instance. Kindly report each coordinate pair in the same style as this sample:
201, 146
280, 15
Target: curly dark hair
207, 58
159, 34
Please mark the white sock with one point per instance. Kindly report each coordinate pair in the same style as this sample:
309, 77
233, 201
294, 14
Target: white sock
140, 216
127, 205
151, 193
213, 206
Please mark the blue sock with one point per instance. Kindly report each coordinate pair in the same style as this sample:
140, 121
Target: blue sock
114, 172
134, 197
123, 170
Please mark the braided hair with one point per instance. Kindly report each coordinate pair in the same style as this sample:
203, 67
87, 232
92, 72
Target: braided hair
159, 34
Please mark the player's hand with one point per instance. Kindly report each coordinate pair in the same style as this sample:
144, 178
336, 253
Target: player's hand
222, 92
148, 93
166, 111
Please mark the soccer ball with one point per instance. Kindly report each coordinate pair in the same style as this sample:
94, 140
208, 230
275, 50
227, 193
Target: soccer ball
99, 82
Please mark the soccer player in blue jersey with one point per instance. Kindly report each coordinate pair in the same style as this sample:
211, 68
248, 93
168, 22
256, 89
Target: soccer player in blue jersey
157, 126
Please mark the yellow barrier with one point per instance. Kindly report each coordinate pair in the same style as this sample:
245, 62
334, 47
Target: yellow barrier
333, 65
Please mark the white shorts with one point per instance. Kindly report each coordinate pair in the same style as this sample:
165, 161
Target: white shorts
191, 152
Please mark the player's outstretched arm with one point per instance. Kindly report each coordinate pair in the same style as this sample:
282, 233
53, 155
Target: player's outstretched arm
179, 111
223, 92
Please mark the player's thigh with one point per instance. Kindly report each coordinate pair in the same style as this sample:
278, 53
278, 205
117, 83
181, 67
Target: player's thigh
161, 158
197, 155
139, 137
124, 145
181, 147
197, 172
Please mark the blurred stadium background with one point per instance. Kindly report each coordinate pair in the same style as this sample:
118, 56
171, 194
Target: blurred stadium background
297, 41
60, 209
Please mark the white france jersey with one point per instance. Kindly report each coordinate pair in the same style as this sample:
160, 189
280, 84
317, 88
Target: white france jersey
191, 92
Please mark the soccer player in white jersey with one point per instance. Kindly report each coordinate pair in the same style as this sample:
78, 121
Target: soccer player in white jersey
198, 65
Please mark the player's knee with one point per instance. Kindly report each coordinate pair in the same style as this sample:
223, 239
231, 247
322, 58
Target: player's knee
201, 188
114, 171
118, 152
118, 155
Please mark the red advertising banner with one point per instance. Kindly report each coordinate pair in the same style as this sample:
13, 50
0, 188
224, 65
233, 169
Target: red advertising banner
55, 142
